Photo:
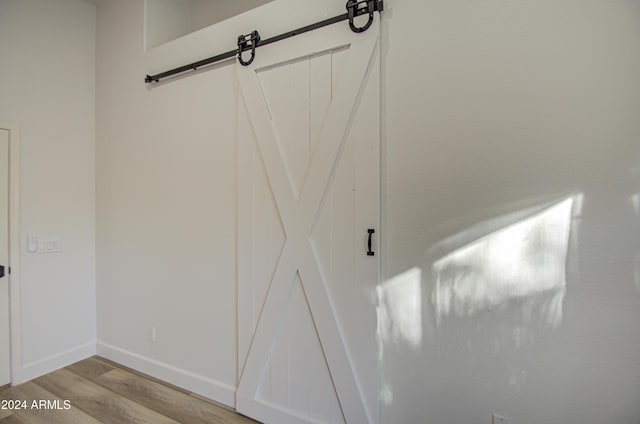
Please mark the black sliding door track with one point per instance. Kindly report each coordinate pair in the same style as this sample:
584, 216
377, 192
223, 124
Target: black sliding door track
252, 41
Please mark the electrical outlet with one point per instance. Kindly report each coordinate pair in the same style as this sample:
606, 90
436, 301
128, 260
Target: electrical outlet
499, 419
152, 334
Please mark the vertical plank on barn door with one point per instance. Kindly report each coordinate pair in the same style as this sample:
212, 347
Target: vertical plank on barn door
308, 191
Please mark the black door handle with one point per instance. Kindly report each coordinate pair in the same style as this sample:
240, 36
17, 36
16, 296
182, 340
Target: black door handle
369, 251
1, 271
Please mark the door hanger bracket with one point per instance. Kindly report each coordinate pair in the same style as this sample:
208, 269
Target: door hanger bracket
362, 7
248, 42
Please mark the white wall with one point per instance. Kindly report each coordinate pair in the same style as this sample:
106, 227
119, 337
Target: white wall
493, 108
166, 213
47, 57
493, 112
206, 12
166, 20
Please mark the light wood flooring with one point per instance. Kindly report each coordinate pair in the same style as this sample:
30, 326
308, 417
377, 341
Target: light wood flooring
100, 391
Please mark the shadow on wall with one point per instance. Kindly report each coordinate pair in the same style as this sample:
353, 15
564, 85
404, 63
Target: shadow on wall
492, 287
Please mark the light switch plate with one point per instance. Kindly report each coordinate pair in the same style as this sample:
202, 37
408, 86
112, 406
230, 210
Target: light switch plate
32, 244
48, 245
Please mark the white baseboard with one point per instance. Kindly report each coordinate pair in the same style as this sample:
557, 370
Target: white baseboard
269, 413
203, 386
44, 366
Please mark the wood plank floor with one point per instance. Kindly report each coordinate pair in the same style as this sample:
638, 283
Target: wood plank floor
99, 391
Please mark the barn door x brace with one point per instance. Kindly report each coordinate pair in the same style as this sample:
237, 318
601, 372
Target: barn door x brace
250, 42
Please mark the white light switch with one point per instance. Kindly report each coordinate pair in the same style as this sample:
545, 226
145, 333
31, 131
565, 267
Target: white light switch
32, 244
49, 245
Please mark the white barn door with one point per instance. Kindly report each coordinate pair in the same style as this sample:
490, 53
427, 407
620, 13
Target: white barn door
309, 191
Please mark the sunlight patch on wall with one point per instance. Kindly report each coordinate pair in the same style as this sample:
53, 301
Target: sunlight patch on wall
635, 203
515, 263
386, 394
636, 271
400, 310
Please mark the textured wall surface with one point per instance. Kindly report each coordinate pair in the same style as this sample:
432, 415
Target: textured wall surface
512, 212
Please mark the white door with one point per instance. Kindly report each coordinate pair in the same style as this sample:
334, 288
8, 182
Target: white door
309, 191
5, 363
